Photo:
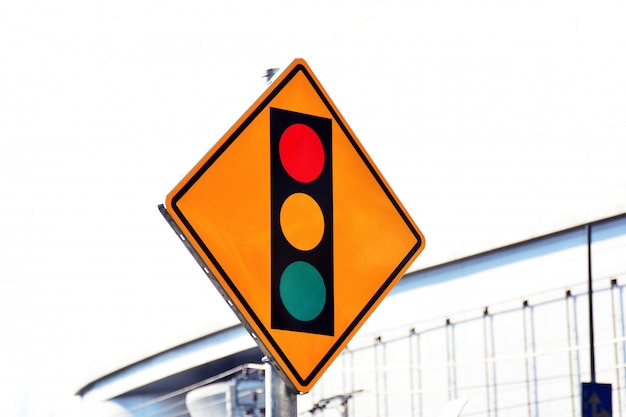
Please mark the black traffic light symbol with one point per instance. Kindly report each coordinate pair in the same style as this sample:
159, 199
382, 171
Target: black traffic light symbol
301, 222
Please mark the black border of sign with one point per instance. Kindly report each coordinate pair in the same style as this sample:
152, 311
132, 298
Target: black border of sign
297, 68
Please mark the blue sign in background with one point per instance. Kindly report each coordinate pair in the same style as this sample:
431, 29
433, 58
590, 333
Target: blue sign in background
596, 400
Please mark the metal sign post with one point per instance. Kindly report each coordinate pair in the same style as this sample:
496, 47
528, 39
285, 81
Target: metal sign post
596, 398
280, 400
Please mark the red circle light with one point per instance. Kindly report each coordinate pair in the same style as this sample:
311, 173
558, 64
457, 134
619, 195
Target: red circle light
301, 153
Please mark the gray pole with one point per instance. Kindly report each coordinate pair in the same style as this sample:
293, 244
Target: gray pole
280, 400
592, 349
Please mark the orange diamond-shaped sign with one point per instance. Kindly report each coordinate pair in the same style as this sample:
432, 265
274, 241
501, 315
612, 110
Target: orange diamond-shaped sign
295, 225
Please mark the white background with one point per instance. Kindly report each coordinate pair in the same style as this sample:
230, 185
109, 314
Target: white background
493, 121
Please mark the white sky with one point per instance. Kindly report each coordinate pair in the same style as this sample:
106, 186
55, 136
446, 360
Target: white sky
493, 121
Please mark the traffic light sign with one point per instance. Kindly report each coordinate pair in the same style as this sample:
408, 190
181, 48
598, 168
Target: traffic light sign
294, 224
302, 222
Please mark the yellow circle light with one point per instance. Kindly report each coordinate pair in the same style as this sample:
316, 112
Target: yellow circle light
302, 221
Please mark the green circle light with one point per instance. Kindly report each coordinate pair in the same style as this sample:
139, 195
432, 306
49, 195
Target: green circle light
302, 291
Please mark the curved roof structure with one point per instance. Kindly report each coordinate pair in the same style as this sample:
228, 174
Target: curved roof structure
172, 369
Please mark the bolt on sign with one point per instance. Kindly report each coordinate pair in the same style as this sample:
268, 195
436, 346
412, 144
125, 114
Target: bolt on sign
294, 224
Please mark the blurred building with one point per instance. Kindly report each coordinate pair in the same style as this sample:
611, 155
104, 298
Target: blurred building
506, 330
